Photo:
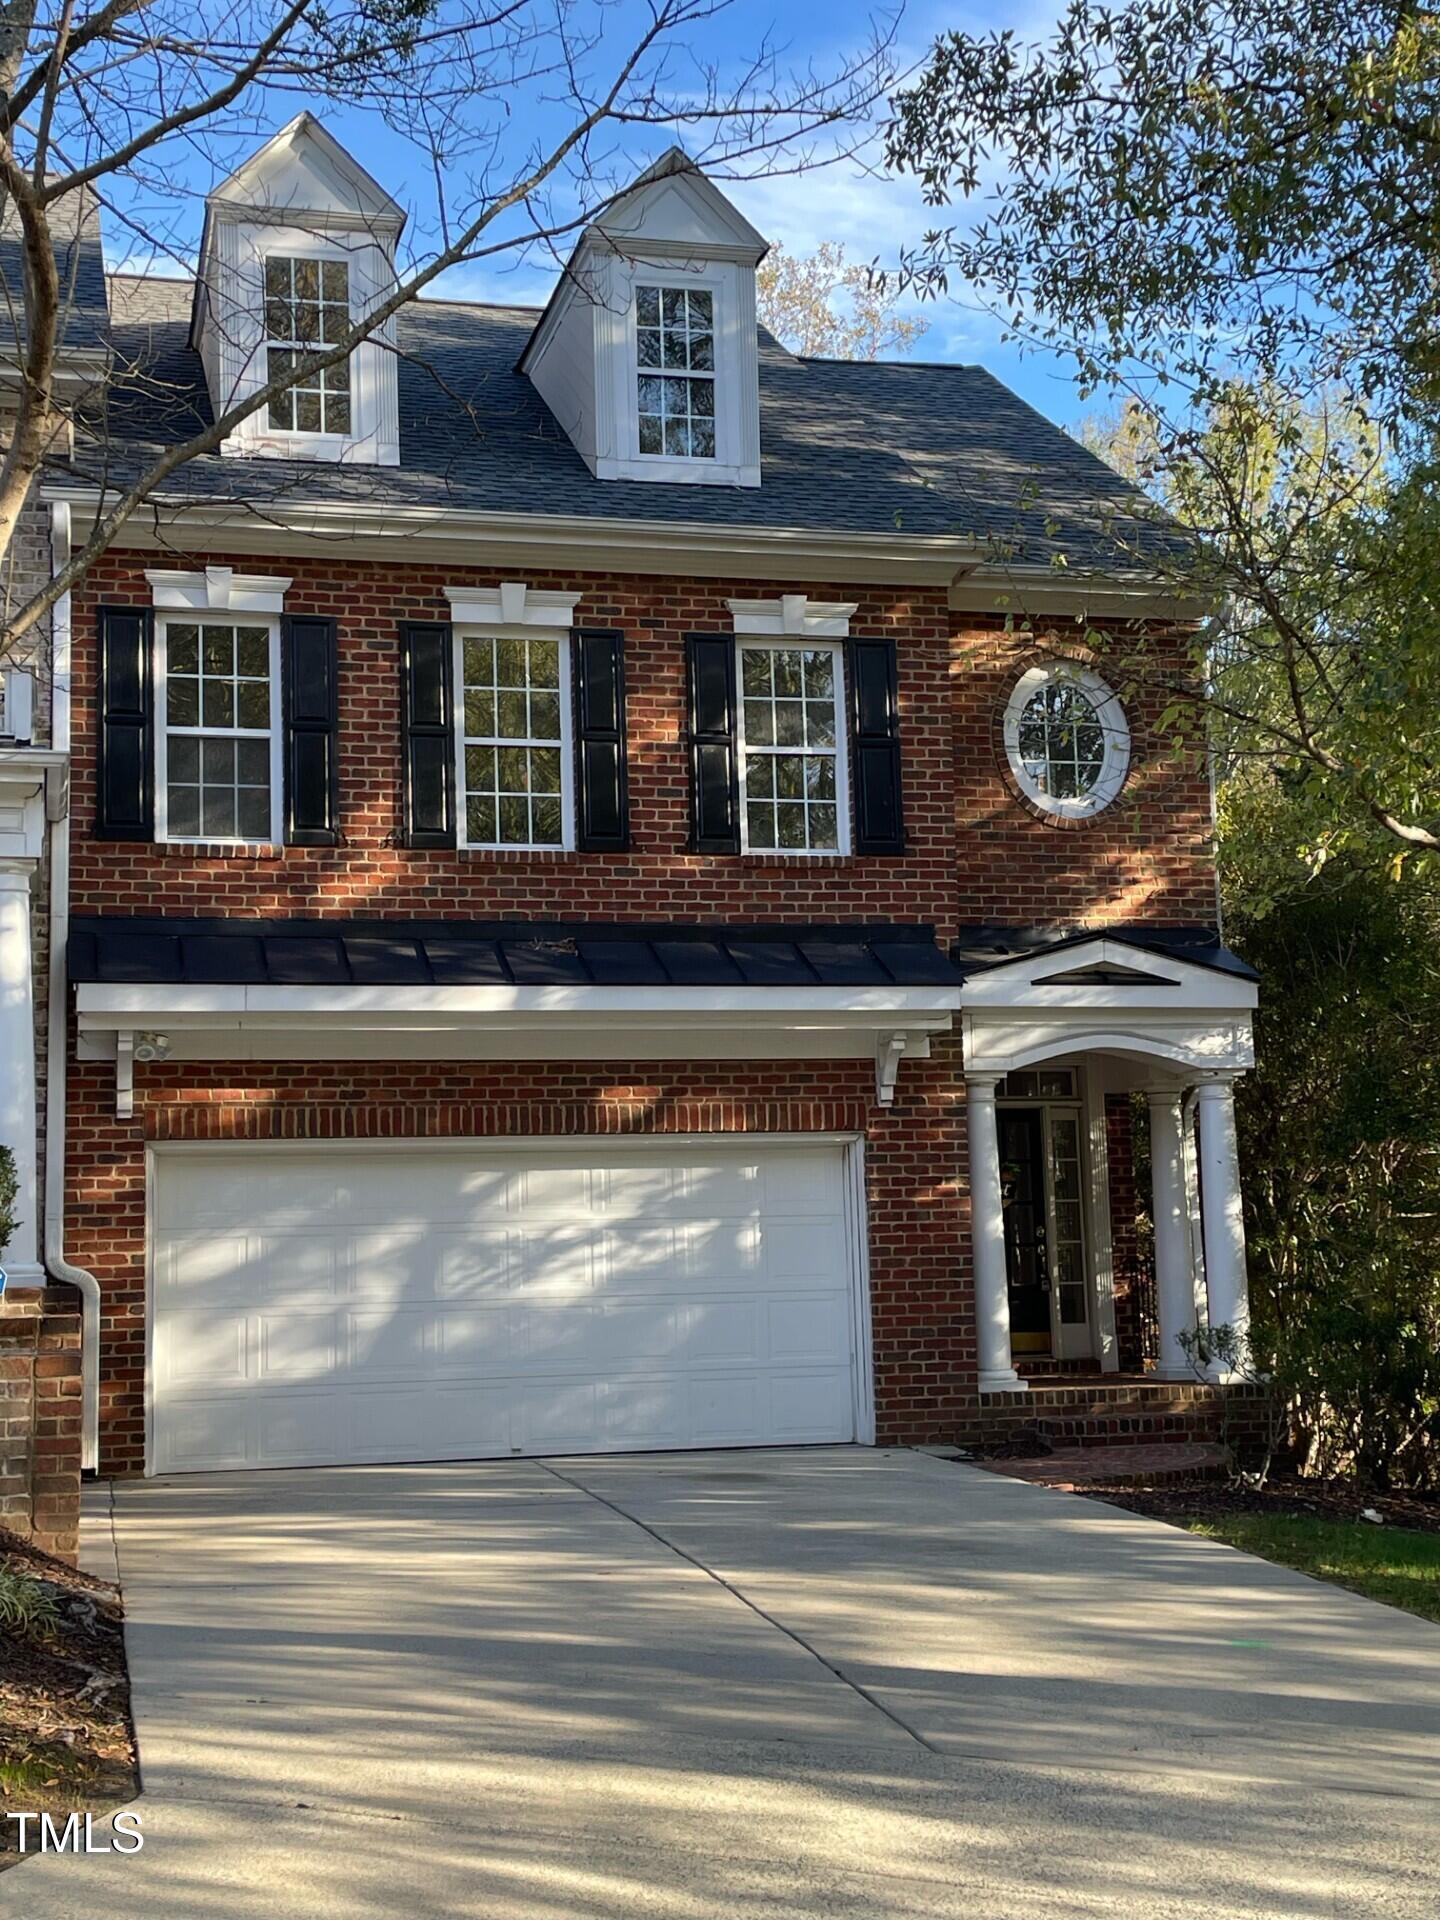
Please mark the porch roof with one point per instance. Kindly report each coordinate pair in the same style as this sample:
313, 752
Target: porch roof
979, 948
119, 950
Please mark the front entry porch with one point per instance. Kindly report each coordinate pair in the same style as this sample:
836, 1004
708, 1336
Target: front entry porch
1078, 1338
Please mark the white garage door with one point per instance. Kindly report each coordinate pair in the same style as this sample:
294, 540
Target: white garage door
315, 1307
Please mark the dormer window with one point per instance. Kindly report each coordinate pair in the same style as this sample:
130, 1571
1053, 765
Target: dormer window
675, 350
307, 306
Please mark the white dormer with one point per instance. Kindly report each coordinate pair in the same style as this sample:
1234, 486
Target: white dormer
299, 242
647, 352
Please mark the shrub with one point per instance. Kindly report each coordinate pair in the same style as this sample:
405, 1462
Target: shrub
27, 1605
9, 1194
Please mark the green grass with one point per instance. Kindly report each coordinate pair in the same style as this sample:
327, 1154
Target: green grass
1393, 1564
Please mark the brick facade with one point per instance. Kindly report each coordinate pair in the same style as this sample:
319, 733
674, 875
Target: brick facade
40, 1424
975, 851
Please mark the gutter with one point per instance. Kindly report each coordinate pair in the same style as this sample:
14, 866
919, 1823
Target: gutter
57, 1050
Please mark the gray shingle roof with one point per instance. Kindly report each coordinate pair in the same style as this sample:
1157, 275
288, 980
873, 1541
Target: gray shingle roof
874, 448
84, 316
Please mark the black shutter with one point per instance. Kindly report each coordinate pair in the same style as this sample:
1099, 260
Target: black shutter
427, 717
126, 785
603, 823
308, 671
875, 747
714, 796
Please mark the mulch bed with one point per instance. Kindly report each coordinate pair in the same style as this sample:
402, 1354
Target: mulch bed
66, 1742
1282, 1495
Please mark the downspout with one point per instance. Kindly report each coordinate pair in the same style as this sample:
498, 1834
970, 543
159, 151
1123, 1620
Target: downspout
57, 1026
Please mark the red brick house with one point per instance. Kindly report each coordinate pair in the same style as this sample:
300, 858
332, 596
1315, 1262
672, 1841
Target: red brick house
587, 926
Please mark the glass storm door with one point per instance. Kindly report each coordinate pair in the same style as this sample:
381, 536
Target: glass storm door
1069, 1269
1045, 1255
1027, 1226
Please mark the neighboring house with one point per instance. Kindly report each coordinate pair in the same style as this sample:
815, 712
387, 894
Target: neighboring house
587, 929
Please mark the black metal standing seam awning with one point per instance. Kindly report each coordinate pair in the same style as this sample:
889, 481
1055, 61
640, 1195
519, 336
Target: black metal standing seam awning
116, 950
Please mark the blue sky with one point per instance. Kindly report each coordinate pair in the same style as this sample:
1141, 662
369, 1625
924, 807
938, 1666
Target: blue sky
873, 215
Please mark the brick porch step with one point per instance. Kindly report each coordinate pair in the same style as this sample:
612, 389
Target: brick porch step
1101, 1412
1071, 1469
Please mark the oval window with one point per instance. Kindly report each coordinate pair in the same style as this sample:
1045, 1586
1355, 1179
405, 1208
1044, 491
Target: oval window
1067, 739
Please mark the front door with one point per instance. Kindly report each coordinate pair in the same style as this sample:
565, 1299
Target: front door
1045, 1256
1027, 1265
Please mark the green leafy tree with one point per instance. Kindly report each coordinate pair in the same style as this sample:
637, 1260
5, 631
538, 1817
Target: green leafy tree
1230, 217
1340, 1139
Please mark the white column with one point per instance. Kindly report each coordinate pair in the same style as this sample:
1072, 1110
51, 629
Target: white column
1174, 1275
987, 1240
1220, 1209
17, 1069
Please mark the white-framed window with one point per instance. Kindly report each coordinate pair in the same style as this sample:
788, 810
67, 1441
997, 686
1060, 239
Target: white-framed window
793, 777
1066, 739
675, 371
307, 306
515, 776
217, 741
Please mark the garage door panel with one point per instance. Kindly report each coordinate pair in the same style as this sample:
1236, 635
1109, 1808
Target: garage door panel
724, 1407
200, 1350
805, 1406
721, 1332
475, 1340
477, 1263
553, 1186
558, 1416
392, 1343
204, 1436
808, 1247
290, 1348
436, 1423
814, 1327
645, 1413
559, 1260
426, 1303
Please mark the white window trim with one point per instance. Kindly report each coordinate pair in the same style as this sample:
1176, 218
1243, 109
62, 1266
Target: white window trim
790, 643
663, 284
1111, 715
529, 626
793, 613
237, 616
320, 254
294, 439
218, 590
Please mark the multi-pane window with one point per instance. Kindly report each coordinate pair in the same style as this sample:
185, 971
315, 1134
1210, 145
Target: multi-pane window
513, 740
1067, 739
307, 306
1062, 741
218, 737
791, 749
675, 347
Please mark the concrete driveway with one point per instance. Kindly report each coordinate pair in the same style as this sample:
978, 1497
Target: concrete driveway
728, 1686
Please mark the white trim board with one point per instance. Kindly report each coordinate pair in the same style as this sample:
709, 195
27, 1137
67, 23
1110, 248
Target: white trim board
125, 1005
